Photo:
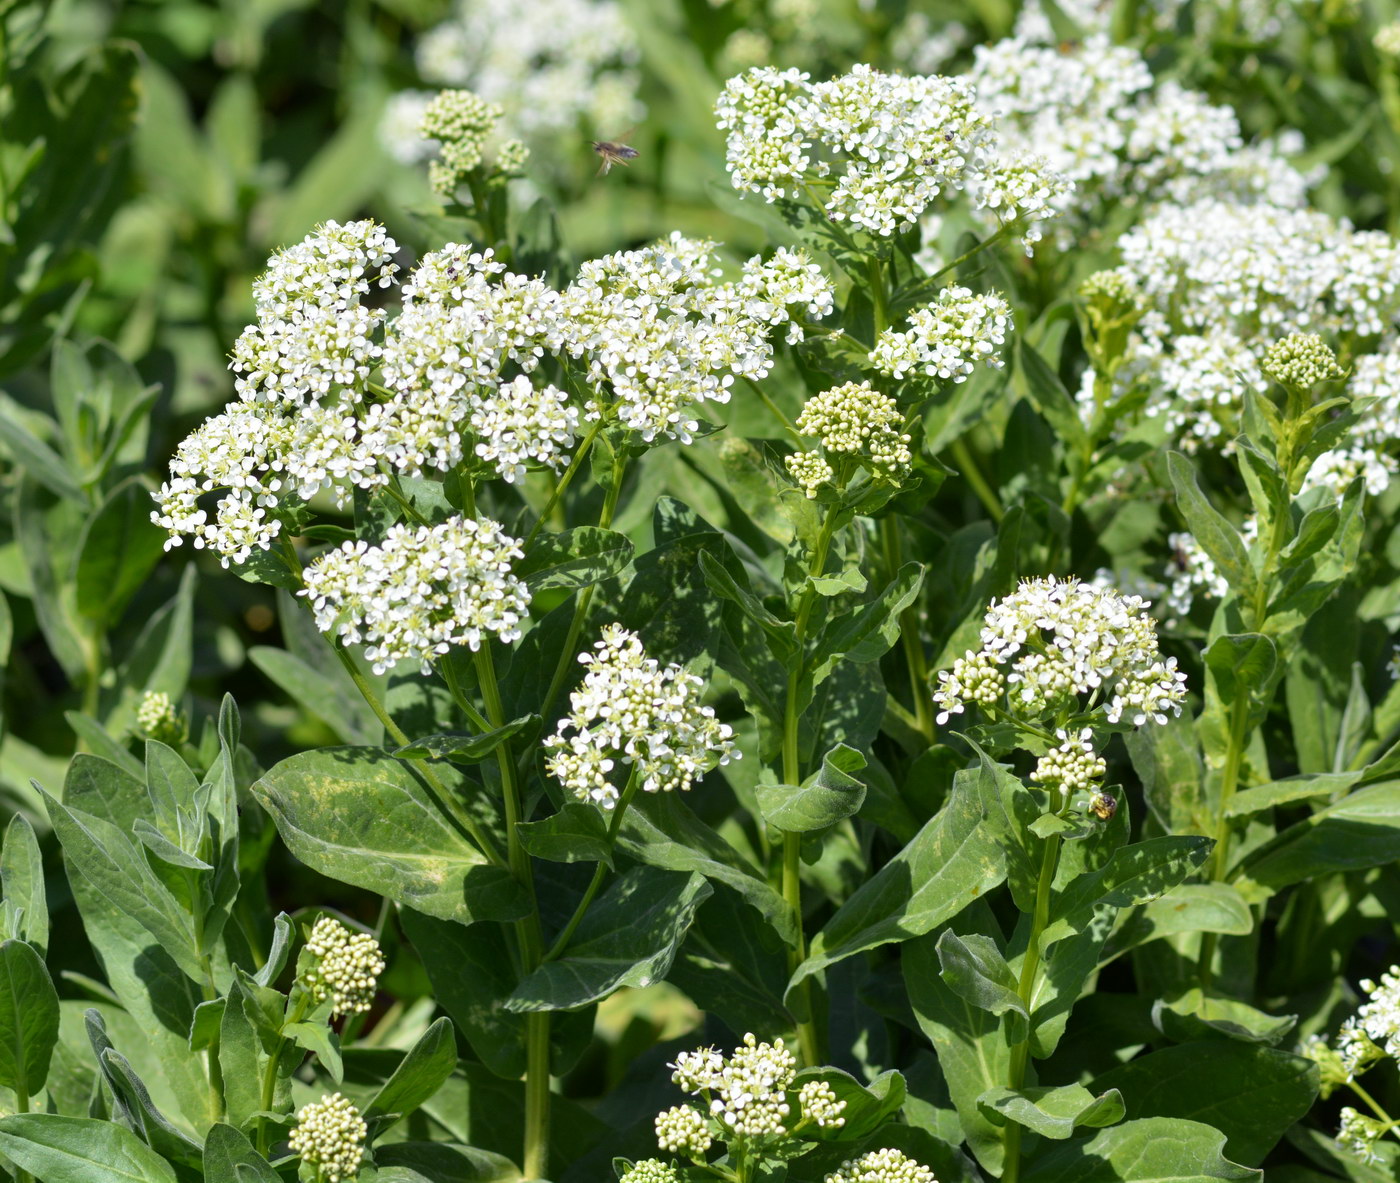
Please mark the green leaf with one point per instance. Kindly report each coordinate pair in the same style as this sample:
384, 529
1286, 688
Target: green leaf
1152, 1150
1291, 789
867, 633
22, 883
326, 693
1197, 1016
53, 1147
823, 799
419, 1075
976, 972
1218, 538
1189, 907
119, 870
1034, 378
465, 749
160, 658
360, 816
781, 634
574, 558
116, 552
1243, 663
952, 861
28, 1018
576, 834
1359, 831
1250, 1093
1054, 1112
36, 457
132, 1096
1133, 875
240, 1058
227, 1149
92, 735
629, 937
323, 1043
441, 1162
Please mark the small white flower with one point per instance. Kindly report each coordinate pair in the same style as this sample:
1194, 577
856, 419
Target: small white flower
946, 339
747, 1091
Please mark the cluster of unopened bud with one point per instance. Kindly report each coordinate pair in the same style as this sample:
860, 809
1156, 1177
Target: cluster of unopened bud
461, 122
330, 1135
346, 968
882, 1166
820, 1105
683, 1130
158, 718
1301, 360
1072, 765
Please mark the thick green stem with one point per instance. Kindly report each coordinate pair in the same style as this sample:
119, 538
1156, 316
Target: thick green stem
22, 1106
809, 1044
1025, 990
1220, 856
971, 473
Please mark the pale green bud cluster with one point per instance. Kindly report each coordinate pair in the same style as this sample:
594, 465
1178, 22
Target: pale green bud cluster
851, 420
461, 122
347, 968
330, 1135
650, 1170
1331, 1071
819, 1104
683, 1130
1071, 766
1107, 287
882, 1166
158, 718
1387, 40
1359, 1134
1301, 360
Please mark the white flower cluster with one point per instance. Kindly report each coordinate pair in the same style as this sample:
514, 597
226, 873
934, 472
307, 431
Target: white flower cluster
1387, 40
658, 332
881, 1166
631, 709
1072, 765
572, 63
664, 335
346, 967
330, 1135
421, 591
292, 432
1062, 647
1358, 1134
1374, 1031
877, 148
1221, 282
158, 718
948, 338
853, 422
747, 1091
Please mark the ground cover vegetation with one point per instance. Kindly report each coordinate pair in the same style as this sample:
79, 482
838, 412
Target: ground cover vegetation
758, 590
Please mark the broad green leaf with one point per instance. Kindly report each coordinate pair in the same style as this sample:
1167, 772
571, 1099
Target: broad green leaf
781, 634
661, 831
1168, 759
574, 558
466, 749
360, 816
160, 658
323, 1043
469, 966
1289, 791
1054, 1112
1151, 1150
976, 972
1218, 538
629, 937
141, 1112
1361, 830
1197, 1016
1249, 1093
28, 1018
576, 834
52, 1147
41, 532
823, 799
227, 1149
969, 1042
1189, 907
1244, 663
93, 736
441, 1162
1034, 378
952, 861
22, 883
419, 1075
868, 632
326, 693
116, 552
240, 1058
39, 460
119, 870
1133, 875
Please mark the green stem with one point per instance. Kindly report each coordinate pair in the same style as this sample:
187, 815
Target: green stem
574, 465
807, 1037
909, 632
973, 475
22, 1106
1220, 857
561, 942
528, 937
1373, 1103
878, 295
269, 1092
966, 255
1025, 990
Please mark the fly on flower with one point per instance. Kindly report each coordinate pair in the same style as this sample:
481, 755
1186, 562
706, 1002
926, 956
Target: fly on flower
614, 152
